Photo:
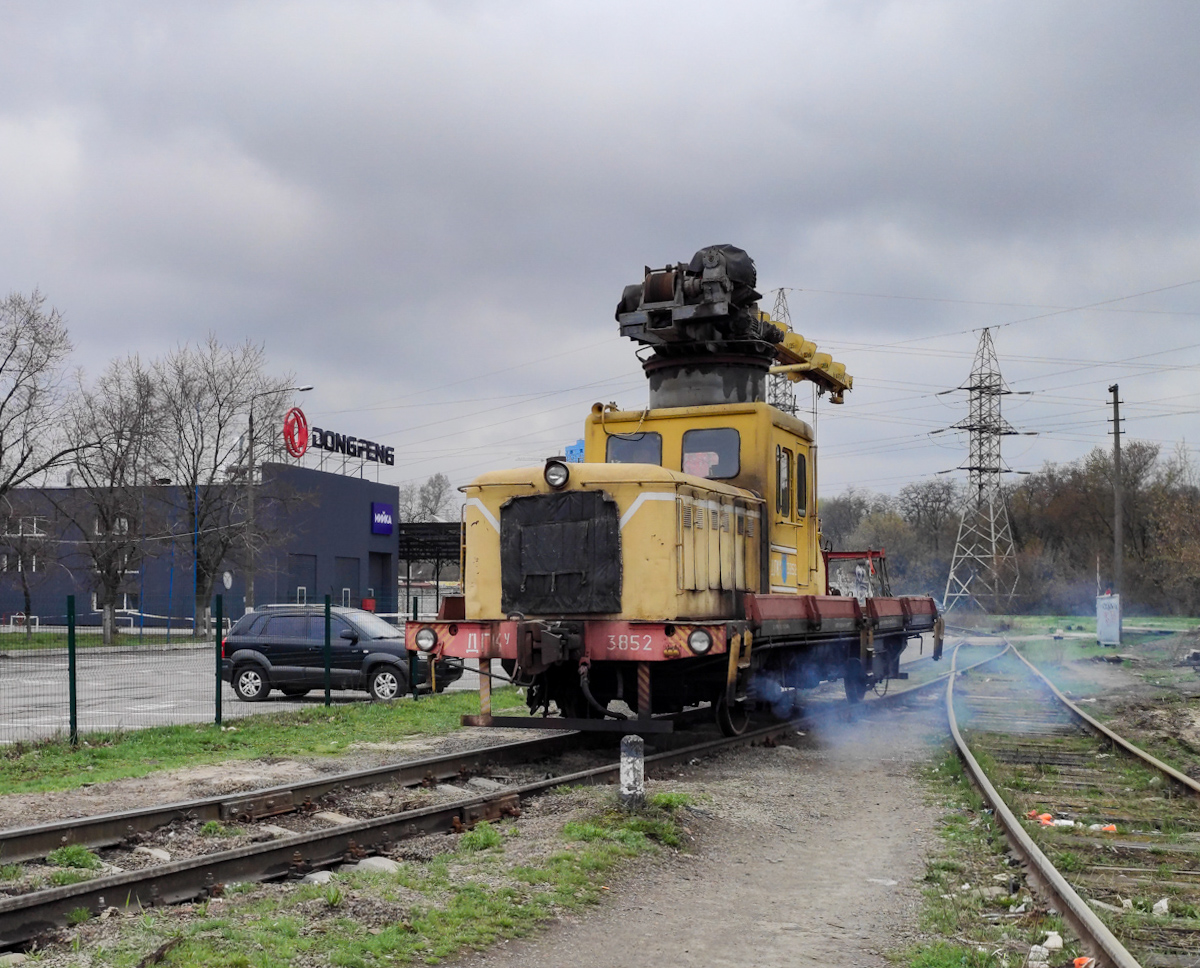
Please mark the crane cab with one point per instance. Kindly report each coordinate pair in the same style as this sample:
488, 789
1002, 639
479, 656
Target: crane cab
752, 446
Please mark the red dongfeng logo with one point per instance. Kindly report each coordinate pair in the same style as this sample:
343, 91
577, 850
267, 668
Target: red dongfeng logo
295, 432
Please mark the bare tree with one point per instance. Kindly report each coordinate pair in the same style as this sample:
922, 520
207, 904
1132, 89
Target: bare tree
841, 515
929, 506
110, 425
407, 508
205, 393
435, 498
33, 391
431, 501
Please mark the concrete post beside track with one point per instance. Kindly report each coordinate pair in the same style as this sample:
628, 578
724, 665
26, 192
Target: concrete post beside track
633, 771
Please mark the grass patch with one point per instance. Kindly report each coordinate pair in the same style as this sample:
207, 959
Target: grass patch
317, 731
73, 855
482, 837
11, 872
671, 801
423, 913
942, 954
68, 875
214, 828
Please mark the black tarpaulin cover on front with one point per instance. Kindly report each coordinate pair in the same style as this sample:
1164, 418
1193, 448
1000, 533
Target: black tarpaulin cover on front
560, 554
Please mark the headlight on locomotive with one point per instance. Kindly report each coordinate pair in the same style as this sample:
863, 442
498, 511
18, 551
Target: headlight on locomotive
426, 640
556, 474
699, 641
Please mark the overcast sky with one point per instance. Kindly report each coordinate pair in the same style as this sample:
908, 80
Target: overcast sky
429, 210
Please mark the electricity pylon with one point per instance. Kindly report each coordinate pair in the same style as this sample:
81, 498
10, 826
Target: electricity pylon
984, 568
780, 392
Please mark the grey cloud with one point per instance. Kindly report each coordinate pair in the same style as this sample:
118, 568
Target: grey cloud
393, 194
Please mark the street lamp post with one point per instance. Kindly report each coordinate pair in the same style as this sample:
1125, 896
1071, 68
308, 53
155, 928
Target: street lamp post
250, 493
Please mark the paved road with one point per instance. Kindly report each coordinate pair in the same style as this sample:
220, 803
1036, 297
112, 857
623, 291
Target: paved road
129, 688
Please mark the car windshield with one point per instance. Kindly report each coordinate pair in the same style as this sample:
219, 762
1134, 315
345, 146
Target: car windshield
373, 627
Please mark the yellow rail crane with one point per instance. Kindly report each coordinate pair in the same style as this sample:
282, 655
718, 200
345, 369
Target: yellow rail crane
681, 562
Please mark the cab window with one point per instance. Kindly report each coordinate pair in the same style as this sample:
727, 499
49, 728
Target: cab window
644, 448
801, 486
713, 453
783, 481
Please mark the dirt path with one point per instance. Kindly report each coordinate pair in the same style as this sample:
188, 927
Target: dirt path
816, 859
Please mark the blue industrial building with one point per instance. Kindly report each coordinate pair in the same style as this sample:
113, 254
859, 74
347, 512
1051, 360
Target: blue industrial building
333, 535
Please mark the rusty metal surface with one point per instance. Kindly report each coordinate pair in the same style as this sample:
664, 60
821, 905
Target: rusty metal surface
581, 725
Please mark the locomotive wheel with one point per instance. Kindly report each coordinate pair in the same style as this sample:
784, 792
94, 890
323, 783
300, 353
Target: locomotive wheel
854, 680
733, 718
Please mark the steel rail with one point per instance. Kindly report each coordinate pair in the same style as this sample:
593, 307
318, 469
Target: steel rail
104, 830
1098, 727
19, 844
1166, 769
1095, 936
25, 917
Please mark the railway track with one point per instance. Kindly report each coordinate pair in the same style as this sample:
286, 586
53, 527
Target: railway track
1109, 833
25, 917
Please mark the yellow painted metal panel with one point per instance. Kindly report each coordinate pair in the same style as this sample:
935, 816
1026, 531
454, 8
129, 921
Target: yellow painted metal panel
701, 543
727, 543
689, 541
654, 544
739, 548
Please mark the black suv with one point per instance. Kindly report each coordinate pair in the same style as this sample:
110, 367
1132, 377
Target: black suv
283, 647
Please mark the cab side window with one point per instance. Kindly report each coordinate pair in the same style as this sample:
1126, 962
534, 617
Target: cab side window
801, 486
714, 453
644, 448
783, 481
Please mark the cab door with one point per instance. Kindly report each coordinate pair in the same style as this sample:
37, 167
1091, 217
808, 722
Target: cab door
804, 511
788, 555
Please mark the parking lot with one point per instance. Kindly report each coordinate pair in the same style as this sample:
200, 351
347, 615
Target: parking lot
130, 688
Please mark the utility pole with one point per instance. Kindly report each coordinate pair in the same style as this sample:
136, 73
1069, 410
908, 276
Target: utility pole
249, 593
1118, 494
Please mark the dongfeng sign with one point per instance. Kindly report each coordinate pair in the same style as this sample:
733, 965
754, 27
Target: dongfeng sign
295, 432
299, 438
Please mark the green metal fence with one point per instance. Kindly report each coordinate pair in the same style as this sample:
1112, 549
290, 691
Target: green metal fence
60, 681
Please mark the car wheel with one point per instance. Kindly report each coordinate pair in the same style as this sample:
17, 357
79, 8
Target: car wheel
251, 684
295, 692
386, 682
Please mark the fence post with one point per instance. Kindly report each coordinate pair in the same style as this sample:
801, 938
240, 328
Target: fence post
412, 658
328, 652
71, 679
220, 654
